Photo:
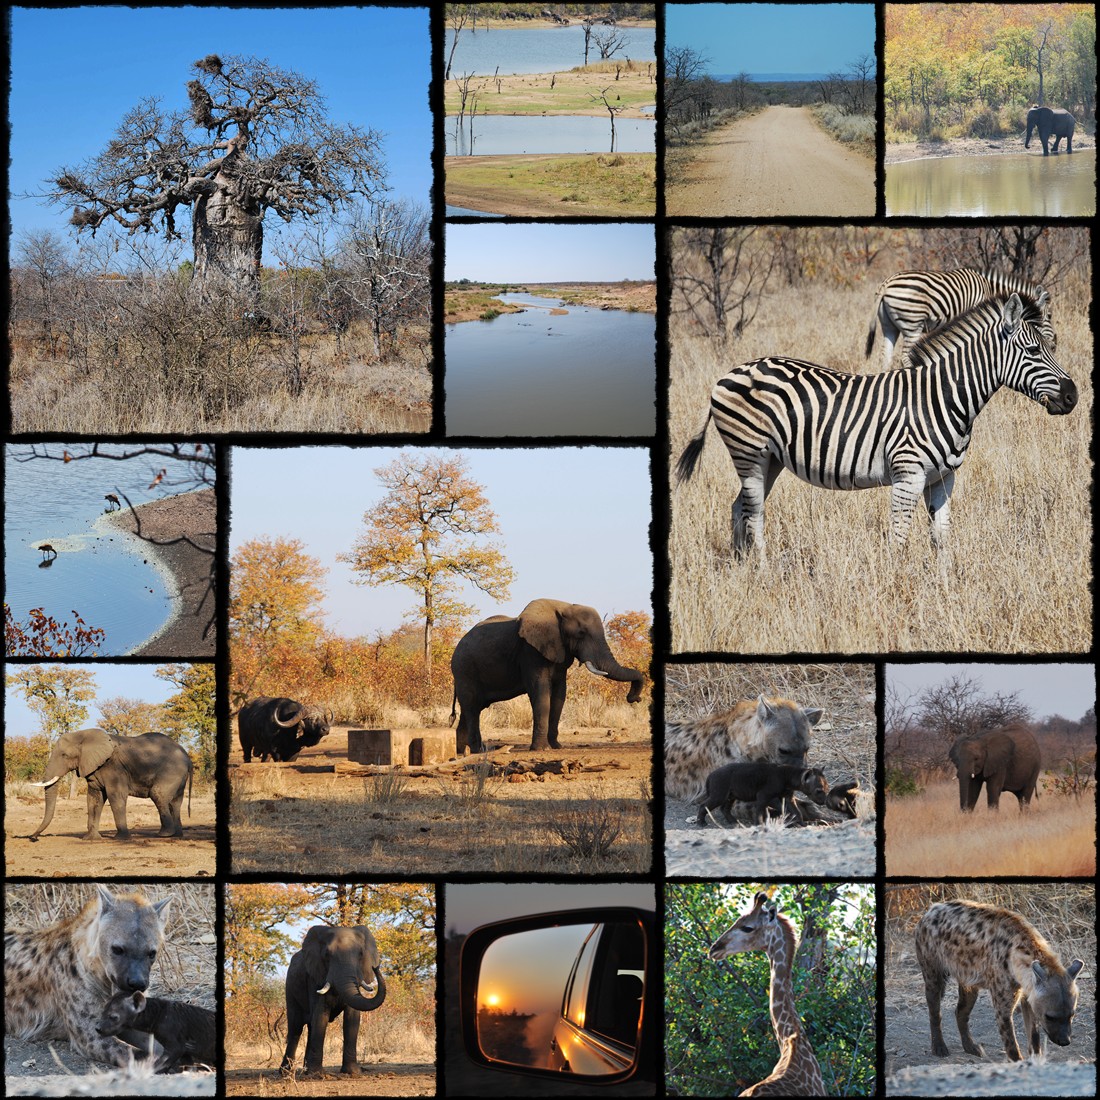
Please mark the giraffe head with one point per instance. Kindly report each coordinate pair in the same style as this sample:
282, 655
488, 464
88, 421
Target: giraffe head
757, 930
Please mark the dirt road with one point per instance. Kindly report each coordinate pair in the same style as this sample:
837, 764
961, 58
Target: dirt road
776, 163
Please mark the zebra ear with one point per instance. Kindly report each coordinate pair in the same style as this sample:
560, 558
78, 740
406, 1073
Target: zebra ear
1012, 314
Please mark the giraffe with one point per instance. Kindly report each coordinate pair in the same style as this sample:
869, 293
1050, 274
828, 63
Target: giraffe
764, 929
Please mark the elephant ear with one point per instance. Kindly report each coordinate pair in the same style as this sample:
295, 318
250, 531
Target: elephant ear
316, 940
540, 627
96, 748
373, 958
998, 754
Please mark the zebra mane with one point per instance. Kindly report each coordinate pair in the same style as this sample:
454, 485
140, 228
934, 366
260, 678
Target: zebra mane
931, 342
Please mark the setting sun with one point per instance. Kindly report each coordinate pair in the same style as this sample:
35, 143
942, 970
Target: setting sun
492, 1000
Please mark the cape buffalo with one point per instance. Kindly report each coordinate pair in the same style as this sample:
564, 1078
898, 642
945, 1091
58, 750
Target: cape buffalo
279, 728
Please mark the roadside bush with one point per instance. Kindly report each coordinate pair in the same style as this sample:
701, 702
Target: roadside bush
901, 783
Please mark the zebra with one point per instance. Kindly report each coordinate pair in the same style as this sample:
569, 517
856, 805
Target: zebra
908, 428
917, 302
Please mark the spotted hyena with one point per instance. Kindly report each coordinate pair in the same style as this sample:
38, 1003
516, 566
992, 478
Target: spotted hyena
767, 729
984, 947
761, 783
188, 1033
57, 978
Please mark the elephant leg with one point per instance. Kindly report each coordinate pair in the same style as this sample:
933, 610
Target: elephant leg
993, 789
350, 1063
117, 799
557, 703
468, 731
295, 1022
96, 796
1057, 139
168, 809
315, 1040
539, 694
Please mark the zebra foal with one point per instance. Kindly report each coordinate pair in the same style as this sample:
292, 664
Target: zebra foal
913, 303
908, 428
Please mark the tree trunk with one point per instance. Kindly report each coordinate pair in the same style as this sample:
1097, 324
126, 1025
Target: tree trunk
228, 236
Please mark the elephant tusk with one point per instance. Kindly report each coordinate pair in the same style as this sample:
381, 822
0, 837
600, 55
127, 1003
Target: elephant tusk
368, 990
48, 783
325, 988
593, 669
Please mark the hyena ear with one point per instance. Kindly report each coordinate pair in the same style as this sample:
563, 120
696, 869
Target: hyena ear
1074, 968
813, 714
1038, 970
138, 1000
106, 899
161, 908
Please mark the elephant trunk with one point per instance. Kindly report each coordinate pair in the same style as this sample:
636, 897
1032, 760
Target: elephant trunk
347, 986
969, 789
51, 786
611, 668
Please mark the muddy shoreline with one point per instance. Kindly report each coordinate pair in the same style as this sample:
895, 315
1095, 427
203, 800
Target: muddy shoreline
186, 516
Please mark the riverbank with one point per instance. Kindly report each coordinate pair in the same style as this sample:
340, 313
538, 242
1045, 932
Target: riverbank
185, 516
898, 153
615, 185
537, 22
562, 93
469, 303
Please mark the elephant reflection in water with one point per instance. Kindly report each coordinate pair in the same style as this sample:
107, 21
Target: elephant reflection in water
1050, 122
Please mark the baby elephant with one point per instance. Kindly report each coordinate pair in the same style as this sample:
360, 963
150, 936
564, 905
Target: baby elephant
761, 783
187, 1033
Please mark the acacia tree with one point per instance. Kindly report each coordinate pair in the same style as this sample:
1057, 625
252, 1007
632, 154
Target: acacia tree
426, 533
255, 139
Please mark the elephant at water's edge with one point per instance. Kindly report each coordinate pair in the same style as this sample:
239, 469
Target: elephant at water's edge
1050, 121
530, 654
116, 767
1003, 759
330, 975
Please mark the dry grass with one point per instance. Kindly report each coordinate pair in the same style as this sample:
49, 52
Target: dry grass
1018, 577
928, 836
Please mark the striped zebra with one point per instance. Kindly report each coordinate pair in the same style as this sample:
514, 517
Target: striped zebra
917, 302
908, 428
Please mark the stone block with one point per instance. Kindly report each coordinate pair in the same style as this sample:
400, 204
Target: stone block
408, 746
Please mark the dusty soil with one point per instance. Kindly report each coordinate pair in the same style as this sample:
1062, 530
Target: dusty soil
896, 153
186, 516
304, 817
775, 163
908, 1044
1009, 1079
60, 853
384, 1079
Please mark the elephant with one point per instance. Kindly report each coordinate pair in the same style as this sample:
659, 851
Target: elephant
279, 728
150, 765
1050, 121
1004, 759
329, 975
503, 657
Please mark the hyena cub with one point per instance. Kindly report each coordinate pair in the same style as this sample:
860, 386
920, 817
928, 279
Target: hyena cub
57, 978
762, 784
187, 1033
984, 947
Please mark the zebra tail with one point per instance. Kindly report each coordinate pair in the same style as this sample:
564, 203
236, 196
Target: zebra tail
871, 335
686, 466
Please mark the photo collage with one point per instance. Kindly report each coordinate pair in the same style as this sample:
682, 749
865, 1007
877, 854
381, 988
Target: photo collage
419, 678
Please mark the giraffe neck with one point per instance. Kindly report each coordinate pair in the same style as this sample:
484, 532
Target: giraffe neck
785, 1020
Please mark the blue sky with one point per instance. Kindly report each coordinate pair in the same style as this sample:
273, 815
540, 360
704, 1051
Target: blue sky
773, 38
1065, 689
131, 681
76, 71
549, 253
574, 522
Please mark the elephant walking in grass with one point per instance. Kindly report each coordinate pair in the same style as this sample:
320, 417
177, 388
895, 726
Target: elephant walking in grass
1050, 122
332, 974
116, 768
530, 654
1004, 760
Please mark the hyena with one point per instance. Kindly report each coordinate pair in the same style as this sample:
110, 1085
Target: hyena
56, 979
984, 947
767, 729
761, 783
187, 1033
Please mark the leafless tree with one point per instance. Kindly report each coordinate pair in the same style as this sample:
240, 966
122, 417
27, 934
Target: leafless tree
255, 139
684, 66
44, 263
458, 15
609, 40
612, 109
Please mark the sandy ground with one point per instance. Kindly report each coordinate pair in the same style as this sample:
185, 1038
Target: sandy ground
60, 853
531, 94
304, 817
775, 163
194, 516
908, 1046
896, 153
382, 1079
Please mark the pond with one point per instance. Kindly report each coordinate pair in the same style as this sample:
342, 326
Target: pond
465, 212
1058, 186
502, 134
102, 572
537, 49
585, 372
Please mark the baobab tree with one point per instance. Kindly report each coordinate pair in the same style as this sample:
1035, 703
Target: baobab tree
255, 139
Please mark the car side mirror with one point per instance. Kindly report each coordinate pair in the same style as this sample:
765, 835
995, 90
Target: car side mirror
562, 994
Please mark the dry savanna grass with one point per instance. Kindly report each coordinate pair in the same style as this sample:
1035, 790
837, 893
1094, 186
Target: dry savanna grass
1017, 576
927, 835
